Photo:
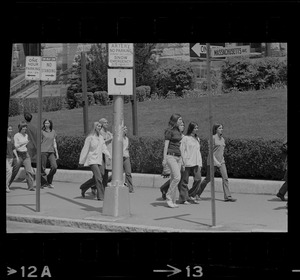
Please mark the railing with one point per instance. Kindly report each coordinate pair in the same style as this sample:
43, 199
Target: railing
19, 83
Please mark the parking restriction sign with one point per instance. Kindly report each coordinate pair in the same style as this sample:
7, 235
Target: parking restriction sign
48, 69
32, 68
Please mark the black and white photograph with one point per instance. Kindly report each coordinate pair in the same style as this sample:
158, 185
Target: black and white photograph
150, 139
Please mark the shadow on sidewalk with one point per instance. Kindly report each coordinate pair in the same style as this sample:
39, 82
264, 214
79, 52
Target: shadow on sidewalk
24, 205
179, 217
86, 207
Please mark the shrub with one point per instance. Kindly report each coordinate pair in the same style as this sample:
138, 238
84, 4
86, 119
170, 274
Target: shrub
143, 93
50, 103
245, 158
245, 74
13, 107
101, 97
173, 76
69, 148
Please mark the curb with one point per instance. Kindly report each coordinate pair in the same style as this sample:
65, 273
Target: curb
155, 181
89, 224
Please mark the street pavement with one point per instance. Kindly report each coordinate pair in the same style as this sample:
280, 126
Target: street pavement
64, 206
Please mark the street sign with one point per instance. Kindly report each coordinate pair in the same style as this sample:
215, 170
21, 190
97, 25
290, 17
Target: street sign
231, 51
40, 68
48, 69
199, 49
120, 55
120, 81
32, 68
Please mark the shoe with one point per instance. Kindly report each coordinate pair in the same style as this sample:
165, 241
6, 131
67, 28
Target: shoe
281, 196
230, 199
7, 190
98, 198
175, 205
185, 202
82, 193
198, 197
131, 190
31, 189
50, 186
193, 202
170, 204
94, 192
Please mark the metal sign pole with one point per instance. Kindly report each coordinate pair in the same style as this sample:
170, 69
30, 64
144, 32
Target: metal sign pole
211, 160
134, 101
84, 94
38, 142
117, 149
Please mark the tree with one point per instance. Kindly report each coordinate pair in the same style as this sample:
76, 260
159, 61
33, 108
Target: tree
97, 60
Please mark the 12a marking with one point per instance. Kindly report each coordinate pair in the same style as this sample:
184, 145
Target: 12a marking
31, 271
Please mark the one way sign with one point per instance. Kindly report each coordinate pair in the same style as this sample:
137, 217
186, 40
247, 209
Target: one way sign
199, 49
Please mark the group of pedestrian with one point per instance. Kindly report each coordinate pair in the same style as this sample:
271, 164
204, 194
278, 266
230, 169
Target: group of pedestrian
22, 149
97, 155
183, 158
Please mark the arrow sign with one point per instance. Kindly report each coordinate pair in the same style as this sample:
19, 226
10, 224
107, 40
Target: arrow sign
198, 49
174, 270
10, 271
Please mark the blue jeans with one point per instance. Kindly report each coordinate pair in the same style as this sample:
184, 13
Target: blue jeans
96, 180
47, 179
24, 159
174, 164
225, 182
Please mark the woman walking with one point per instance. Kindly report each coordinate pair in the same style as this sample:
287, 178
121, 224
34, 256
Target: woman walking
91, 155
126, 161
21, 141
166, 171
108, 137
172, 156
219, 163
192, 164
48, 152
10, 152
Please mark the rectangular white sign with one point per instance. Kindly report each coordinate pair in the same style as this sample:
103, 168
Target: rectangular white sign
231, 51
120, 81
40, 68
120, 55
32, 68
48, 69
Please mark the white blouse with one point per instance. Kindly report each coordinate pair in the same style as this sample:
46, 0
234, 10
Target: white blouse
190, 151
20, 139
92, 150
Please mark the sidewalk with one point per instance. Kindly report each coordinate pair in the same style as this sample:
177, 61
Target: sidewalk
256, 209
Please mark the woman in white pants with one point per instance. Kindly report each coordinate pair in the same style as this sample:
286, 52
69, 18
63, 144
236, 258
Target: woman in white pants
172, 157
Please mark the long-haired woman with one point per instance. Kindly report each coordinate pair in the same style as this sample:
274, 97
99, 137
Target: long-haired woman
91, 155
172, 157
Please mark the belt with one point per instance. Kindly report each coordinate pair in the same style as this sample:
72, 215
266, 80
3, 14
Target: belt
174, 154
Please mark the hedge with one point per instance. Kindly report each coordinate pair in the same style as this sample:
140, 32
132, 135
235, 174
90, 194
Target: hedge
50, 103
245, 158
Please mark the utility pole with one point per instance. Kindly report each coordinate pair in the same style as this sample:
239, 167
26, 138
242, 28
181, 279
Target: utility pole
134, 101
39, 140
84, 94
211, 160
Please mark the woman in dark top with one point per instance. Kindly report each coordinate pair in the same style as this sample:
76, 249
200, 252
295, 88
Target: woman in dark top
48, 152
172, 157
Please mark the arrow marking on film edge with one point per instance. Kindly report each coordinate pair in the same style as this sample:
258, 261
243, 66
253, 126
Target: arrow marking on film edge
10, 271
174, 270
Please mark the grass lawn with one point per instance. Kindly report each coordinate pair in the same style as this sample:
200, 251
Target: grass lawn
244, 115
